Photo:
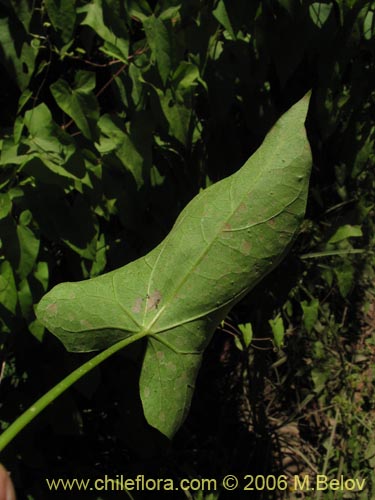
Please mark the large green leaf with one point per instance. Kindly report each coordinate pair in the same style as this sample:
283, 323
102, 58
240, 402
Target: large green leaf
222, 244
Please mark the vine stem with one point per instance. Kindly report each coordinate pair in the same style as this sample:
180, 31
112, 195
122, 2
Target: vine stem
27, 416
137, 53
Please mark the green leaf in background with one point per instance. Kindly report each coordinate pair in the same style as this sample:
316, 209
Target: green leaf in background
29, 248
345, 278
24, 99
43, 131
62, 14
221, 14
158, 39
108, 23
30, 289
364, 154
79, 230
177, 115
319, 13
369, 25
310, 313
172, 14
278, 330
53, 150
100, 261
319, 378
138, 88
8, 290
115, 139
16, 54
41, 274
140, 9
345, 232
20, 248
23, 9
5, 205
222, 244
79, 103
25, 298
10, 153
287, 4
186, 77
247, 333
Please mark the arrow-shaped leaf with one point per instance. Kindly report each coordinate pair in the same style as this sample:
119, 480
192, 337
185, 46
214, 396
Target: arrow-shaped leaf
222, 244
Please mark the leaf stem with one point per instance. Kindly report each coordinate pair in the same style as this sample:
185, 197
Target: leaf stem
330, 253
27, 416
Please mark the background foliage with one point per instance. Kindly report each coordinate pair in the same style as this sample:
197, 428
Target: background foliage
114, 115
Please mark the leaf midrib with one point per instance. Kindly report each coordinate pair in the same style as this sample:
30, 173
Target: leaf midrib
204, 253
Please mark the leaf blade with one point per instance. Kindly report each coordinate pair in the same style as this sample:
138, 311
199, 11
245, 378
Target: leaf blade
221, 246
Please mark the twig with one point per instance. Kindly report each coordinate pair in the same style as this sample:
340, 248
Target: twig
137, 53
96, 65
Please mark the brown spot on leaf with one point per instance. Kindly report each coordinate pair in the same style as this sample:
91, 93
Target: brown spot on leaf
137, 306
147, 392
51, 309
85, 323
153, 300
245, 247
171, 366
160, 355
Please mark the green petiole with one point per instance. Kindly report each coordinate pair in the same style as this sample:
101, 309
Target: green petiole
23, 420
